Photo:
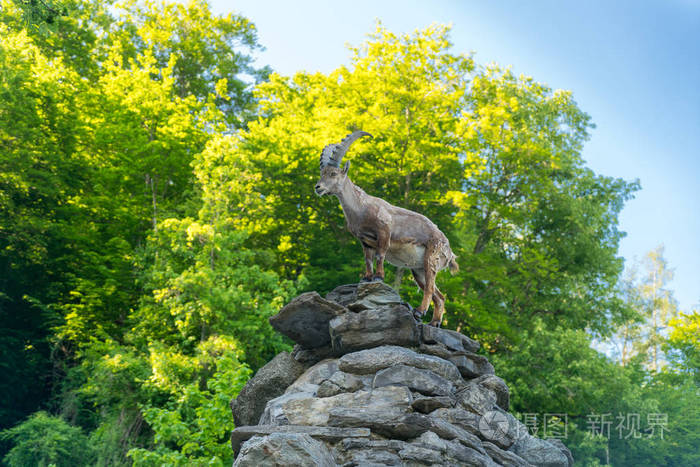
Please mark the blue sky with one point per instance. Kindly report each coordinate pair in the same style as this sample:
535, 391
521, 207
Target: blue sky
634, 66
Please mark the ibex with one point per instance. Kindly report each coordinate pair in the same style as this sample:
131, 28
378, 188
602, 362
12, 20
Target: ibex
404, 238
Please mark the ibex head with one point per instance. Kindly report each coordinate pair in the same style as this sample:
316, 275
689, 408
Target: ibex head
332, 176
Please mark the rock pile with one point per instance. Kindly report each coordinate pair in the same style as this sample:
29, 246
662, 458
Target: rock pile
367, 385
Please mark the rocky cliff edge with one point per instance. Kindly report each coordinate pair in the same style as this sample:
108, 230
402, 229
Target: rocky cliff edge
367, 385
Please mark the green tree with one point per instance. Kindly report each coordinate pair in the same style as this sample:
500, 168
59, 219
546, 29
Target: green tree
161, 395
100, 118
683, 344
210, 56
492, 158
41, 168
662, 306
652, 307
538, 227
194, 425
43, 440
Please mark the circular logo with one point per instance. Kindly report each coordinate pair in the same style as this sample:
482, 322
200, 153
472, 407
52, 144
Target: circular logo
494, 425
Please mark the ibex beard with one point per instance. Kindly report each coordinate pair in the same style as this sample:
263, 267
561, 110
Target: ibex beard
402, 237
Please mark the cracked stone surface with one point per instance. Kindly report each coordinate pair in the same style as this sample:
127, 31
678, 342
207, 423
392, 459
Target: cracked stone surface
367, 385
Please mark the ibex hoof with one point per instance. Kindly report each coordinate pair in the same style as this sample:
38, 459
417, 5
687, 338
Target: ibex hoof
435, 323
377, 279
418, 314
366, 279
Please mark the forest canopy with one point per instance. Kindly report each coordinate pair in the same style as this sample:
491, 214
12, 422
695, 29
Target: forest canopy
157, 207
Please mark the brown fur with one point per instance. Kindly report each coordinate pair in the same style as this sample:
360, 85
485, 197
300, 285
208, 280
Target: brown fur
403, 238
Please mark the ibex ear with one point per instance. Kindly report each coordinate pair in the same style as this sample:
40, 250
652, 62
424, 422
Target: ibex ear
345, 168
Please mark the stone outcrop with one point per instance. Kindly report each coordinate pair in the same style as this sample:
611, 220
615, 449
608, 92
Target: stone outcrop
367, 385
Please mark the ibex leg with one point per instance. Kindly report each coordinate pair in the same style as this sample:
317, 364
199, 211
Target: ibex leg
382, 247
369, 263
439, 302
438, 297
419, 277
430, 260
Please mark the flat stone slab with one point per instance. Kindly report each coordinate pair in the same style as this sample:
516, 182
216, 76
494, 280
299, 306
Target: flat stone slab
305, 319
453, 340
341, 382
284, 449
427, 404
539, 452
372, 360
460, 417
417, 379
386, 422
387, 325
504, 457
324, 433
358, 297
472, 365
315, 410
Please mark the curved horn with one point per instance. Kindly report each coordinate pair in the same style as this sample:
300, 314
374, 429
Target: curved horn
333, 154
327, 155
344, 145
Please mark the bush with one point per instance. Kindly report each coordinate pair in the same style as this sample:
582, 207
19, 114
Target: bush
44, 440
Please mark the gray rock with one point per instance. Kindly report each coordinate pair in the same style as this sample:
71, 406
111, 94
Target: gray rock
365, 295
316, 411
372, 360
310, 357
343, 294
341, 382
417, 379
471, 365
430, 440
460, 417
269, 382
359, 394
323, 433
284, 449
448, 431
370, 458
426, 404
391, 423
477, 398
468, 456
387, 325
364, 443
274, 409
305, 319
498, 386
562, 447
539, 452
420, 455
501, 428
310, 380
450, 339
439, 350
505, 458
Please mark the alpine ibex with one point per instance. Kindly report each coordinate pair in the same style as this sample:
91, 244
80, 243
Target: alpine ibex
404, 238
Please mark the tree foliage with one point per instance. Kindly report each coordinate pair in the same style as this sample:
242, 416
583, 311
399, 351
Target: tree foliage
157, 207
44, 440
492, 158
